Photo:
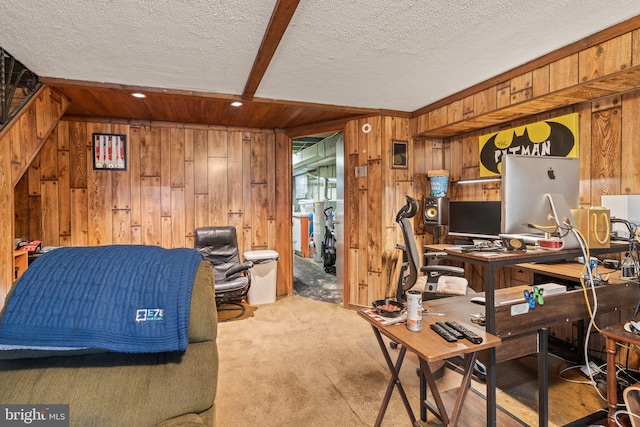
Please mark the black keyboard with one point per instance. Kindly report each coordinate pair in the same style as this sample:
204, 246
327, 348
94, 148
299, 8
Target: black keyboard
443, 331
466, 333
466, 250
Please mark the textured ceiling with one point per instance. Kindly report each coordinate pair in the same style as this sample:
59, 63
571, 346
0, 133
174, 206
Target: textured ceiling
383, 54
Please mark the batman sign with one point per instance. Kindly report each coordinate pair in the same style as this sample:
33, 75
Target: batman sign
559, 141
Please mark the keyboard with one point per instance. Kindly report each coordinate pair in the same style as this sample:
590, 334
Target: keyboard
466, 250
529, 238
466, 333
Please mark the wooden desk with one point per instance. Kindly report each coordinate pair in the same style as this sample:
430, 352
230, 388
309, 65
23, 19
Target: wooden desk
571, 271
429, 347
615, 334
613, 306
490, 261
524, 333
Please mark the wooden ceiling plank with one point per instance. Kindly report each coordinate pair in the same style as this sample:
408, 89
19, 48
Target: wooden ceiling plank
618, 83
280, 18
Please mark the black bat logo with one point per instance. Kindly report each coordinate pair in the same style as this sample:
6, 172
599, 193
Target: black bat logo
560, 142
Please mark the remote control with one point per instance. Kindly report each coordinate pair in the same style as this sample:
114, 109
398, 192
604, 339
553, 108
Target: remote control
465, 332
449, 329
443, 332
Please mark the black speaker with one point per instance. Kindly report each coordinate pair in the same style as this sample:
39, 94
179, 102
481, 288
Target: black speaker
436, 210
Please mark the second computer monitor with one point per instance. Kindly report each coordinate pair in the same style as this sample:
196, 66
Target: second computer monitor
474, 219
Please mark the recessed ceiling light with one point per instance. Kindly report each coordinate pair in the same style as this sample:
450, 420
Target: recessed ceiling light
138, 95
236, 104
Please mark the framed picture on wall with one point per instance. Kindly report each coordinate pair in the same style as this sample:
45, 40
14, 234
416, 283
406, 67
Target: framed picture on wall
109, 151
399, 153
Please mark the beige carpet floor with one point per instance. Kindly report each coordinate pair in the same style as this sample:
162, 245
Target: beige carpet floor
302, 362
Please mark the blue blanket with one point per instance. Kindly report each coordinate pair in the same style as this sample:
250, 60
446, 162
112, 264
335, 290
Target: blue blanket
123, 298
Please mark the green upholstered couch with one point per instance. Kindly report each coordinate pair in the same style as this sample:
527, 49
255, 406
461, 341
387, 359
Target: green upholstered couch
125, 389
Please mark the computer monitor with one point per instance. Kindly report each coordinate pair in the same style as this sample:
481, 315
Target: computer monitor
475, 219
527, 182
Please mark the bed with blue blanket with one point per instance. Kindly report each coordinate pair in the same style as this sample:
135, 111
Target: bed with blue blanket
120, 298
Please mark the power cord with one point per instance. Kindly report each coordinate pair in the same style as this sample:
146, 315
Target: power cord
624, 412
594, 377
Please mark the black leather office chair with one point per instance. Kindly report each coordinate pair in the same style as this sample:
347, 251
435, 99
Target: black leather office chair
219, 246
413, 262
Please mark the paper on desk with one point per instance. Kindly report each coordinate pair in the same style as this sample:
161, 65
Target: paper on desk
386, 321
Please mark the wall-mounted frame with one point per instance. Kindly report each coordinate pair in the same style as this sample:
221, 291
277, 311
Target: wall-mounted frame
399, 153
109, 151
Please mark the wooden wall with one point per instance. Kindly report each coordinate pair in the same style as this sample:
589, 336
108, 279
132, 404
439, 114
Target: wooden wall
373, 199
605, 64
172, 186
179, 177
607, 124
602, 64
608, 128
20, 140
594, 78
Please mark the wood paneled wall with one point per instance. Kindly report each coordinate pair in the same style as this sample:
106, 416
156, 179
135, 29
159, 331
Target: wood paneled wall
607, 130
373, 199
607, 127
602, 61
183, 176
599, 66
179, 177
20, 141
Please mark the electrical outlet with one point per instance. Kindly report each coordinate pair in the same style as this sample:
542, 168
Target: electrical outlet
594, 369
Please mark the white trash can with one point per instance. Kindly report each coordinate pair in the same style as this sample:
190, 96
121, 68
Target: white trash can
264, 276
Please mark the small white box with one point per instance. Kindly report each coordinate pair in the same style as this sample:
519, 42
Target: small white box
552, 289
623, 206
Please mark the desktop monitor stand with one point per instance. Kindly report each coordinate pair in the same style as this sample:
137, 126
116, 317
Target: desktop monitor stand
562, 214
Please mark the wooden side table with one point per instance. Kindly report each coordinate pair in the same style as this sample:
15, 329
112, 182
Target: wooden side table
429, 347
615, 334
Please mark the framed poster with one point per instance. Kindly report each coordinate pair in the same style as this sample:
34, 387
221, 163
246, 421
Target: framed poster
399, 154
552, 137
109, 151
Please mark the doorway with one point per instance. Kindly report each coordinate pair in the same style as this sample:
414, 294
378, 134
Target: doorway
317, 203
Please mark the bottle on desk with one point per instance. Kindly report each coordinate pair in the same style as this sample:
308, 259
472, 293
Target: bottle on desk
414, 311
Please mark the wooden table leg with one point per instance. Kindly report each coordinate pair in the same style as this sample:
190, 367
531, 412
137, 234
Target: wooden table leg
470, 361
543, 377
441, 410
393, 381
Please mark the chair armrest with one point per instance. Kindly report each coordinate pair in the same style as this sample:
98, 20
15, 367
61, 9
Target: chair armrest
433, 258
443, 269
238, 268
436, 254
